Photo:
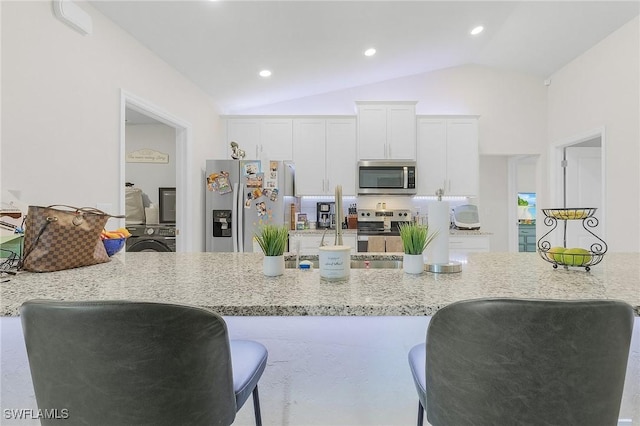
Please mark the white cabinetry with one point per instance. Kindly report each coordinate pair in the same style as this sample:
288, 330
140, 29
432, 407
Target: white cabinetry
461, 245
324, 153
261, 138
386, 130
448, 156
309, 243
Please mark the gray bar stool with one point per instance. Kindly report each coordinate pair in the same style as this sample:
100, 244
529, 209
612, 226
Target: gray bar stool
523, 362
138, 363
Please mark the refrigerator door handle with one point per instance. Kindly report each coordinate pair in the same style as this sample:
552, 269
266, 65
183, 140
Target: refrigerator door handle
234, 219
240, 223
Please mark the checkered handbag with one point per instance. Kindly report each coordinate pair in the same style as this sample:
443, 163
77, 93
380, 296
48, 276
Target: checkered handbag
58, 239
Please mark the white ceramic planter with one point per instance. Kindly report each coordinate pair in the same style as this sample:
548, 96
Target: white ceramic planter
272, 266
413, 263
335, 262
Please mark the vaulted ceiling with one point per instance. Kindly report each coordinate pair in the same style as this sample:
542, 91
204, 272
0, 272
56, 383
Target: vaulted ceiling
316, 47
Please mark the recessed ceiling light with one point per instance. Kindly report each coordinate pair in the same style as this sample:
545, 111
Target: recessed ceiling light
370, 52
477, 30
265, 73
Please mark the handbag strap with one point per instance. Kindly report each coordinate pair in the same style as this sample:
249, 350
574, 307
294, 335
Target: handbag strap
90, 210
33, 246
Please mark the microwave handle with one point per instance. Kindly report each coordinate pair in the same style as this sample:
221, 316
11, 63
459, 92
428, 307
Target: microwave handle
405, 172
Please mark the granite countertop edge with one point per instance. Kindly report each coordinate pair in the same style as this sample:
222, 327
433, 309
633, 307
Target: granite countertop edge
233, 284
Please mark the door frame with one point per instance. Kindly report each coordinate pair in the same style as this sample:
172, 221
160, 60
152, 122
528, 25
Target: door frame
512, 197
555, 170
184, 144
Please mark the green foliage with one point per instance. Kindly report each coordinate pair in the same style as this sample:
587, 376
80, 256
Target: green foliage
522, 202
273, 239
415, 237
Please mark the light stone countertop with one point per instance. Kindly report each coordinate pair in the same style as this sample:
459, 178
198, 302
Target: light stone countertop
456, 232
233, 284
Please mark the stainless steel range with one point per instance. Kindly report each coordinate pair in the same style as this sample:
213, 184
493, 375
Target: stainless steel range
379, 222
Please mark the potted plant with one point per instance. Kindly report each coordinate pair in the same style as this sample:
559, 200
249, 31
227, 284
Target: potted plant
273, 241
415, 238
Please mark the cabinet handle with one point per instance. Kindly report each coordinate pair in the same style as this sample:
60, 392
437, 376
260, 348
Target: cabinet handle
328, 185
388, 150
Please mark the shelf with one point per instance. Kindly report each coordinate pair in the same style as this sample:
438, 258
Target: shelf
570, 214
590, 257
582, 260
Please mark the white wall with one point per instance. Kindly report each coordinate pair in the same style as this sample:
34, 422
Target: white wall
526, 176
601, 88
151, 176
493, 196
61, 109
511, 106
513, 120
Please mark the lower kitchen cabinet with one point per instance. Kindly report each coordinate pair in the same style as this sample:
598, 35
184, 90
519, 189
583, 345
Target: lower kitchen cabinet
461, 245
309, 243
526, 237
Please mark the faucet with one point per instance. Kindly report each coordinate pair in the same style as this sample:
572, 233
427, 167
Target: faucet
322, 243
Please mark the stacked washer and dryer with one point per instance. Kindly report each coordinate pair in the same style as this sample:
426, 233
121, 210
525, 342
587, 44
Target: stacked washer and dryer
152, 229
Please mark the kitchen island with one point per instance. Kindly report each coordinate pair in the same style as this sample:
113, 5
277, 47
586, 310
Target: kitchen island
233, 284
337, 350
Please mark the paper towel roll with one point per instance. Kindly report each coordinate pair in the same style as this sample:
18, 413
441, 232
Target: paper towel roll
439, 221
152, 215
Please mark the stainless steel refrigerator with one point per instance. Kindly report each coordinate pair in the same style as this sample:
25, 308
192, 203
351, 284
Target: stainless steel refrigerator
242, 195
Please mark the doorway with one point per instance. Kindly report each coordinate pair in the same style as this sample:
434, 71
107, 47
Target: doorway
522, 185
578, 172
134, 105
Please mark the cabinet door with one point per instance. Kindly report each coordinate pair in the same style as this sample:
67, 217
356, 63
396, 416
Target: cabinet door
341, 155
308, 244
460, 246
401, 132
432, 155
372, 132
276, 139
309, 137
351, 241
462, 157
246, 132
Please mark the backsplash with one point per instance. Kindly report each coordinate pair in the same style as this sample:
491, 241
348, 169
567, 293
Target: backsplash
417, 205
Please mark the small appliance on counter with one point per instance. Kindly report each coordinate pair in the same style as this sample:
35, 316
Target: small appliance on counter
326, 215
466, 217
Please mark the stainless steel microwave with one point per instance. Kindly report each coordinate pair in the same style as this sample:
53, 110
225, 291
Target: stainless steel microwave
387, 177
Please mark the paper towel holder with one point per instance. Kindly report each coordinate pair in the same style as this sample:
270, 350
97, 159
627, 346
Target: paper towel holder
450, 266
444, 268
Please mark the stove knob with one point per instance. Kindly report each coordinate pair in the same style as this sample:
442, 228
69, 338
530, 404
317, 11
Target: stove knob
149, 231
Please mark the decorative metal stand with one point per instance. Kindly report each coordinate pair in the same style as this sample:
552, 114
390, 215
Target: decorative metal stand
591, 257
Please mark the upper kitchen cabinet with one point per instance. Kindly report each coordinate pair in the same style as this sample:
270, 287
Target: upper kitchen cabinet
324, 153
386, 130
262, 138
448, 156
